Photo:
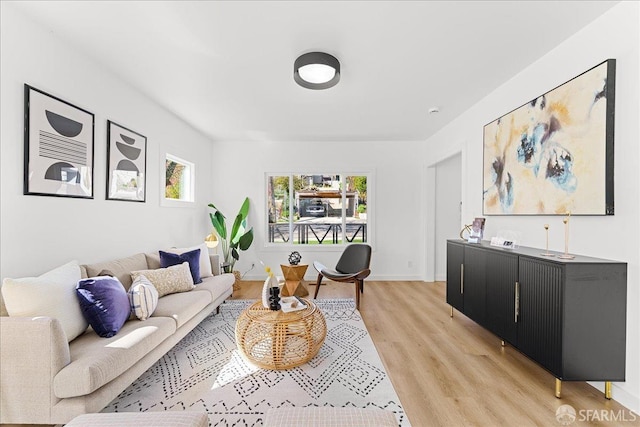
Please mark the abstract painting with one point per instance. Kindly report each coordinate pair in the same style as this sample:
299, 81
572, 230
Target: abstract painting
126, 164
554, 154
58, 147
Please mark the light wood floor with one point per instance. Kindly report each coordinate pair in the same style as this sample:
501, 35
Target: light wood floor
450, 371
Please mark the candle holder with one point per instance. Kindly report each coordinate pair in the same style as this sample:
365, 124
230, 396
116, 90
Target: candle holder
546, 252
566, 255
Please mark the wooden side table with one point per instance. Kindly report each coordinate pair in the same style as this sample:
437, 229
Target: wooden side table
293, 275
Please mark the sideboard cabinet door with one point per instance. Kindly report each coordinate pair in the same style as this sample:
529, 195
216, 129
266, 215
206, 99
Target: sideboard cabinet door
455, 269
475, 292
502, 281
540, 319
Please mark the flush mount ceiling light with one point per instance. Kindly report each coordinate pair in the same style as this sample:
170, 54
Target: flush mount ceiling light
316, 70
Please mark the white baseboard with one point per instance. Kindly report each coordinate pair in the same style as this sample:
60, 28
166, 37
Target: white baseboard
620, 395
312, 278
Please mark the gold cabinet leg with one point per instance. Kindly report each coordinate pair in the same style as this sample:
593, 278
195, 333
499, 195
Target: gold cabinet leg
502, 343
451, 312
558, 388
607, 390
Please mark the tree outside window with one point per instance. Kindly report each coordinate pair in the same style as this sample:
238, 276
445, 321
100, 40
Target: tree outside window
322, 209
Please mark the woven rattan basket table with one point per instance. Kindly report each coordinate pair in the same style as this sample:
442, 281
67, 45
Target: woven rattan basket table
278, 340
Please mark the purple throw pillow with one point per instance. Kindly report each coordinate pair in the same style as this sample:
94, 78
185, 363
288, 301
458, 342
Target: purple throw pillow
168, 259
104, 304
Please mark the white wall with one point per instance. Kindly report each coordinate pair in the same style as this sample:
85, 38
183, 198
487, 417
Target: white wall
448, 196
613, 35
394, 208
39, 233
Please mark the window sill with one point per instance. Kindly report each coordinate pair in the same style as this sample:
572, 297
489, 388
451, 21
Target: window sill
171, 203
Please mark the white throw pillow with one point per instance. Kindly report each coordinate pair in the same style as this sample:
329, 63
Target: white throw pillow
205, 262
170, 280
52, 294
143, 297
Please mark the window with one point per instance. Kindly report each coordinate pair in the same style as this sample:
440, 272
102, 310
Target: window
327, 209
179, 180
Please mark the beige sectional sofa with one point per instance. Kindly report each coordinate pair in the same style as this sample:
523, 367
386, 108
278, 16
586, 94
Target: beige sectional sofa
46, 380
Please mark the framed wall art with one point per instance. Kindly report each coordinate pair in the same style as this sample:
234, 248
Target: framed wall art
554, 154
58, 147
126, 164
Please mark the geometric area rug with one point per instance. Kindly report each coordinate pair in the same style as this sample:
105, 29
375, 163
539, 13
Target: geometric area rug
205, 372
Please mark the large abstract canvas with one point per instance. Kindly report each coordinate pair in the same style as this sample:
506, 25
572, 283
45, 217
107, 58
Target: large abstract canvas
554, 154
58, 147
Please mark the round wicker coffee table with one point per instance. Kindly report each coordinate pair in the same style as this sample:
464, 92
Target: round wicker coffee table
278, 340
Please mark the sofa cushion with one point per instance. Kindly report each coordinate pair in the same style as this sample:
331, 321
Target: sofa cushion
51, 294
168, 259
142, 419
143, 297
168, 280
329, 416
183, 306
121, 268
205, 262
95, 361
104, 303
217, 285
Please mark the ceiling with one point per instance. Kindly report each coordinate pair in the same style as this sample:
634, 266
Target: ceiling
226, 67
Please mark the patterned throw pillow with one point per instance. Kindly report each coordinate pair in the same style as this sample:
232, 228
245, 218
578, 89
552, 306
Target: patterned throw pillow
168, 259
143, 297
168, 280
104, 303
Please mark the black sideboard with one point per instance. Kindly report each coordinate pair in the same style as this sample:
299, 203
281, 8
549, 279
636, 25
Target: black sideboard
569, 316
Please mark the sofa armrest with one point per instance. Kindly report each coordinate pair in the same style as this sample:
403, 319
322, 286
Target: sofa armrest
33, 350
215, 264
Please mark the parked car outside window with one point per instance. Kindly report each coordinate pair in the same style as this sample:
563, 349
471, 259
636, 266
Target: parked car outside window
315, 210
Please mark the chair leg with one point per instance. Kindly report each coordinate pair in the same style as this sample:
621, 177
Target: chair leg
318, 282
362, 286
357, 282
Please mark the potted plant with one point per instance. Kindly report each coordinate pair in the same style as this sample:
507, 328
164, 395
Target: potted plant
238, 240
362, 211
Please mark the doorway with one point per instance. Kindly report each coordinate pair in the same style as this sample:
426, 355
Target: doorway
448, 209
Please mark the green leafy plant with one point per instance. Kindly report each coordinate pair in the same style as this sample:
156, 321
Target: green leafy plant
238, 240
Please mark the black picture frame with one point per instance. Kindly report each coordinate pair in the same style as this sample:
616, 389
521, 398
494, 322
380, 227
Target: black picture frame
554, 154
58, 147
126, 164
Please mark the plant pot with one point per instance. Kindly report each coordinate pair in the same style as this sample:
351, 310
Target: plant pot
236, 284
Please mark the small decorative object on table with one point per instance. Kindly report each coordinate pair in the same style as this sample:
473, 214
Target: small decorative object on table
274, 298
294, 258
477, 231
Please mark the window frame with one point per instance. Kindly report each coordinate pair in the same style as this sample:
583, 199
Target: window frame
338, 247
168, 202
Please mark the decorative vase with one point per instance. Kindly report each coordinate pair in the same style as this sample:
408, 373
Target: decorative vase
269, 283
274, 298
